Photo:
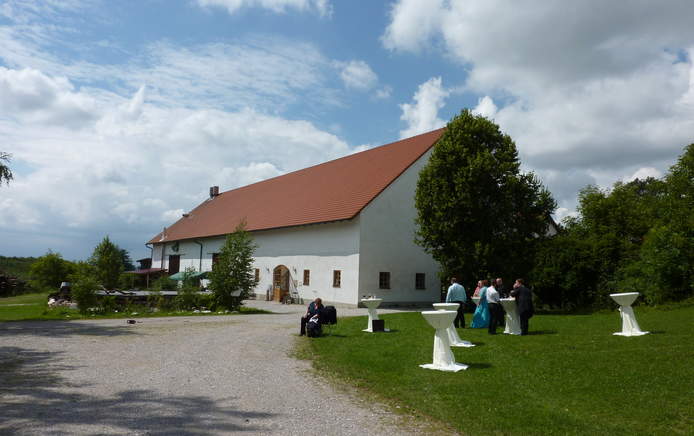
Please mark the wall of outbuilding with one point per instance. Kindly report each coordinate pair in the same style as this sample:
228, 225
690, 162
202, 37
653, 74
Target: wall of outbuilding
387, 244
319, 248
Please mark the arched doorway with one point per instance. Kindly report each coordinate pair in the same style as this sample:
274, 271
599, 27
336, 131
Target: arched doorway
280, 283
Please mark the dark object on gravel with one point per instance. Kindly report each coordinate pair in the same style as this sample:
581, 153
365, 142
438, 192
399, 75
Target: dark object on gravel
131, 321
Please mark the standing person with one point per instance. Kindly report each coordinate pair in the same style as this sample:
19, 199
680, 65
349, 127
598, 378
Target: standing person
524, 302
314, 308
499, 286
478, 289
456, 294
496, 313
480, 320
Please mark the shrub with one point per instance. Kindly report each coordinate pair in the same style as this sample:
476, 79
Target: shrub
232, 279
48, 271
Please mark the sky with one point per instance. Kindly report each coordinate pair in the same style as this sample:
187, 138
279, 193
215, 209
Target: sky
120, 115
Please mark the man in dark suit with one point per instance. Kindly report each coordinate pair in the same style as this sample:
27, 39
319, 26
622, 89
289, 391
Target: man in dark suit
524, 302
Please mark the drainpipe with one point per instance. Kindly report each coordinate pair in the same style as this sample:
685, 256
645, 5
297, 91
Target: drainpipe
151, 252
200, 259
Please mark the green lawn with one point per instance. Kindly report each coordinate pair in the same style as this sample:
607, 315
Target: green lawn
569, 376
33, 307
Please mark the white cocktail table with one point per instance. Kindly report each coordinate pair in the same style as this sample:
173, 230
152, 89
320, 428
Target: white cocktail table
443, 356
453, 337
629, 325
476, 300
371, 305
512, 319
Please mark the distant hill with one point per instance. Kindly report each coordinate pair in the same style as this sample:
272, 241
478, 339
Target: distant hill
16, 266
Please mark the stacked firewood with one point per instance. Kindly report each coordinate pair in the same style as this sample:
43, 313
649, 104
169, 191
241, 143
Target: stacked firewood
10, 286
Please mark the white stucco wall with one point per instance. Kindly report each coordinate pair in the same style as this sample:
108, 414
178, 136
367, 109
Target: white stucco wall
320, 248
387, 244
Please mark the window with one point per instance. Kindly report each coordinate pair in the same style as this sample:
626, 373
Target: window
420, 281
307, 277
257, 275
336, 278
384, 280
174, 263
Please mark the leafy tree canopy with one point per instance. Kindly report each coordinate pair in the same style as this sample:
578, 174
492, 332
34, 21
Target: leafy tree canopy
476, 212
48, 271
232, 278
635, 237
107, 260
5, 172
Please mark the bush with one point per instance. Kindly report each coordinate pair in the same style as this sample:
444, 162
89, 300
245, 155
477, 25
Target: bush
232, 279
48, 271
107, 258
84, 286
84, 293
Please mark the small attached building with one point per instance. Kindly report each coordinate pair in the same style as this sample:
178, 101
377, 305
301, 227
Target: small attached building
339, 230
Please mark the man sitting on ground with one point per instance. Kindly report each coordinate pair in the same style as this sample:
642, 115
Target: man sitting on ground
313, 309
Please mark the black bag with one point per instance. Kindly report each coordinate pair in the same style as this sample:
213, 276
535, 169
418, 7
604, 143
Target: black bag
329, 315
313, 328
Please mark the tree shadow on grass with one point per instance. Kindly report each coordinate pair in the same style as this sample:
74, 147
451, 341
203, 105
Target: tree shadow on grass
37, 399
480, 365
478, 343
541, 332
59, 329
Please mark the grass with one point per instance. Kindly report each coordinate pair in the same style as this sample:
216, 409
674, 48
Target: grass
33, 307
569, 376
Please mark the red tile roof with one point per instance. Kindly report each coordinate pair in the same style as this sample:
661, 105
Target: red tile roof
332, 191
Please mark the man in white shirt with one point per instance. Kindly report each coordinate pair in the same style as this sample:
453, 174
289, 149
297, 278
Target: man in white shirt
456, 294
496, 313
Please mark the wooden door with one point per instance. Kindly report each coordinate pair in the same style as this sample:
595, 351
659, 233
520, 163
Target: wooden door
174, 263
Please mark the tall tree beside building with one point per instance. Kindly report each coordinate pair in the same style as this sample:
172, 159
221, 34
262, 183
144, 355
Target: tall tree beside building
477, 214
107, 259
232, 279
5, 172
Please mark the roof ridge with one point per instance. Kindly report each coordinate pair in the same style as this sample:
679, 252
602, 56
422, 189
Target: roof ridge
335, 190
351, 155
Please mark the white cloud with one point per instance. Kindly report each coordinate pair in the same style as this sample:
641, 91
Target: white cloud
322, 7
384, 92
412, 24
140, 165
358, 75
172, 215
422, 114
599, 95
265, 72
32, 95
643, 174
485, 107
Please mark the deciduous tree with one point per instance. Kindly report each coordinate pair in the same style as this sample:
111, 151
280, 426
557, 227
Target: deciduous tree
232, 279
48, 271
477, 213
107, 260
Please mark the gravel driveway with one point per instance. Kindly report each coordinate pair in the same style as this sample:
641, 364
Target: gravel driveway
182, 376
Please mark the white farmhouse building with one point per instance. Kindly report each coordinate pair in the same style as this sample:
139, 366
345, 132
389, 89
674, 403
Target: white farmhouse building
339, 230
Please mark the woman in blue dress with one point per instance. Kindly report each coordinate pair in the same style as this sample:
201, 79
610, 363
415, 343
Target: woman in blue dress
480, 320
